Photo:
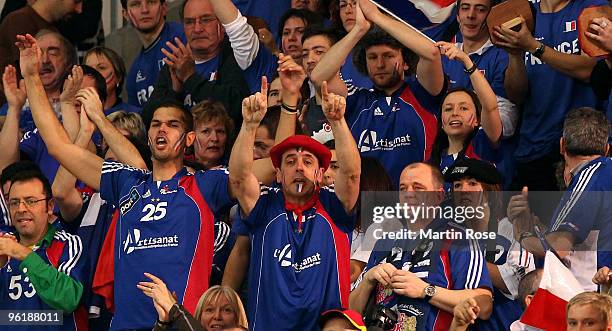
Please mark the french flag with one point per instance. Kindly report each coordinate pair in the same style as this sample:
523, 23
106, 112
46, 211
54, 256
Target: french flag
431, 17
570, 26
558, 286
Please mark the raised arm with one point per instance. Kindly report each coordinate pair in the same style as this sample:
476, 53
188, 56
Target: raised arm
346, 184
292, 77
429, 69
578, 66
244, 40
67, 197
84, 164
489, 116
332, 61
9, 136
118, 143
243, 183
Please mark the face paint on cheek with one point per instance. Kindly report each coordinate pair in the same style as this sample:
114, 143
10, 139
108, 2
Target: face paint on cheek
179, 141
198, 143
471, 120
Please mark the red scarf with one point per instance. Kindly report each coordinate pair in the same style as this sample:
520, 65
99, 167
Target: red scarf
299, 209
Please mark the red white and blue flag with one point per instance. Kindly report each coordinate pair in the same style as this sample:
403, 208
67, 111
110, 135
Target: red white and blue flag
430, 16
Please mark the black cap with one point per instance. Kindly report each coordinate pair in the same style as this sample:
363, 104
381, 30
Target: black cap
482, 171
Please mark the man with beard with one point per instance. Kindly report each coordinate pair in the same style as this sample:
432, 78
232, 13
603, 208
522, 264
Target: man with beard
31, 19
58, 57
149, 19
396, 122
299, 231
166, 219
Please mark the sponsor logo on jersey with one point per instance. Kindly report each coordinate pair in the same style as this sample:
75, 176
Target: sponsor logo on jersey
368, 141
378, 112
284, 257
140, 77
146, 195
127, 205
160, 64
570, 26
167, 190
134, 241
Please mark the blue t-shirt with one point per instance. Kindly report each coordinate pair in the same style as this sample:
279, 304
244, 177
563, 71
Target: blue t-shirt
208, 70
264, 64
65, 253
585, 210
126, 107
270, 10
396, 130
165, 228
26, 121
352, 77
34, 147
295, 276
143, 73
454, 264
551, 94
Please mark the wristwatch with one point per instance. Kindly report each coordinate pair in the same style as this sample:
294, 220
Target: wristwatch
430, 291
539, 51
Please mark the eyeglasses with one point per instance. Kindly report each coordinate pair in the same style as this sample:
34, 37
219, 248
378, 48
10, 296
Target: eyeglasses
29, 202
204, 20
344, 4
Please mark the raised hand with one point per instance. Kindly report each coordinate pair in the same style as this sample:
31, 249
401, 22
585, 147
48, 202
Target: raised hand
453, 53
515, 41
291, 74
15, 92
365, 12
254, 107
86, 126
29, 55
72, 84
180, 59
602, 32
333, 105
90, 103
157, 290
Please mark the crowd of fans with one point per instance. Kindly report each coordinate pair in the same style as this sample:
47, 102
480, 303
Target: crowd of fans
236, 166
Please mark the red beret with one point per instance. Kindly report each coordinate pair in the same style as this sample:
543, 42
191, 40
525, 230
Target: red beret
319, 150
352, 316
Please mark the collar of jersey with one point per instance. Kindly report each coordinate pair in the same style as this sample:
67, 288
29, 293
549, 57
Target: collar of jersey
397, 92
145, 50
485, 47
48, 238
172, 183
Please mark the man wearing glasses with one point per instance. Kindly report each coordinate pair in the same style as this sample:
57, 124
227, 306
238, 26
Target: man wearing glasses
41, 268
204, 68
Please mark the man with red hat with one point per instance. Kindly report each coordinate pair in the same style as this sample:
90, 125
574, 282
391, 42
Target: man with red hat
299, 231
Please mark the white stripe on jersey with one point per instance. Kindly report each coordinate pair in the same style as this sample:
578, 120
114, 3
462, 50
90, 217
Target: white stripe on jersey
583, 181
111, 166
75, 248
222, 233
475, 268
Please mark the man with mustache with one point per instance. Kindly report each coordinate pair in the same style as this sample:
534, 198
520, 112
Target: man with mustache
58, 57
204, 68
149, 20
299, 231
31, 19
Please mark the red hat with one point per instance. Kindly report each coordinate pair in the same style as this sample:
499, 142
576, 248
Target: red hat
351, 315
319, 150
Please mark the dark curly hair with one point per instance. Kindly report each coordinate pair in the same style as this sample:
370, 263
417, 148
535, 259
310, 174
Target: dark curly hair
375, 37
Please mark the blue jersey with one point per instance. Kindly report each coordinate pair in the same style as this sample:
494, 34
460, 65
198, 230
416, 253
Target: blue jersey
352, 77
120, 105
264, 64
513, 262
454, 264
269, 10
208, 70
295, 276
584, 211
26, 121
165, 228
396, 130
490, 60
146, 66
479, 148
551, 94
63, 252
34, 147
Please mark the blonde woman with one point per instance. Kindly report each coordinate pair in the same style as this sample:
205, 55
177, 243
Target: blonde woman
219, 308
